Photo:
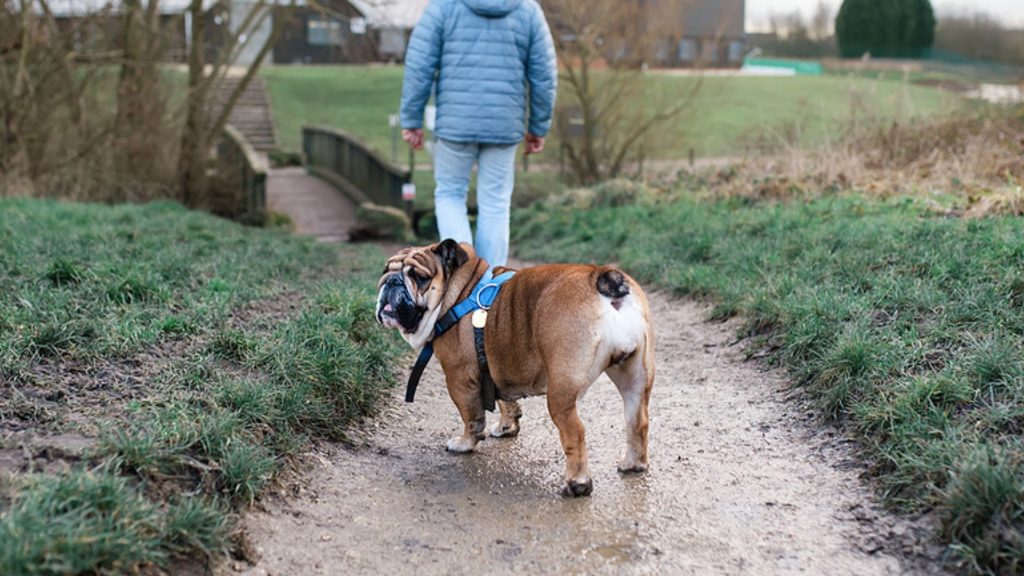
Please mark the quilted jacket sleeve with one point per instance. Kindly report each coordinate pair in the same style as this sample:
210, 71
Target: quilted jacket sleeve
422, 60
542, 74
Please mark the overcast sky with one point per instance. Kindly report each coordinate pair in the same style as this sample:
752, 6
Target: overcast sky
1011, 11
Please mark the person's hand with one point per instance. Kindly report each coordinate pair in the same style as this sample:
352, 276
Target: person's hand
414, 138
534, 144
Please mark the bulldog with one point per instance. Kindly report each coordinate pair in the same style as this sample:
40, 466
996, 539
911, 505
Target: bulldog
551, 329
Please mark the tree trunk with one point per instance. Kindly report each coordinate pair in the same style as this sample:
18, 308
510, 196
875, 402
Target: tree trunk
192, 158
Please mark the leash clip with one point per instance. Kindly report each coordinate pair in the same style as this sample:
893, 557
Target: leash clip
480, 293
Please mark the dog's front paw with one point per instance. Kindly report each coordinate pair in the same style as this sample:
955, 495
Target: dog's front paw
632, 467
578, 487
461, 445
504, 429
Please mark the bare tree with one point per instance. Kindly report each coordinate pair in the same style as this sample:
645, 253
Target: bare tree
203, 123
980, 35
45, 124
613, 112
821, 22
141, 125
73, 126
790, 34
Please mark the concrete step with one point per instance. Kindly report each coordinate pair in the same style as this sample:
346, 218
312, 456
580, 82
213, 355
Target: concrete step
250, 117
251, 114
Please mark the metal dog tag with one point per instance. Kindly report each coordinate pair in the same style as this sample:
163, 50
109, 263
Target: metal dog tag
479, 318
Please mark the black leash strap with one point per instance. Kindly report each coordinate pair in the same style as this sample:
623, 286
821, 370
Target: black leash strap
417, 371
483, 295
488, 390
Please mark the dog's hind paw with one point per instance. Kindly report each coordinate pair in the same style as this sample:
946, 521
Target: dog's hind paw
461, 445
577, 488
503, 430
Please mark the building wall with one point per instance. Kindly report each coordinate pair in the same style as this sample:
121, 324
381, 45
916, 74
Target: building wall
702, 33
714, 17
257, 38
335, 36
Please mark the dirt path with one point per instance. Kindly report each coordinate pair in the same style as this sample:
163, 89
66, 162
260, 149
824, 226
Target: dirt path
316, 208
742, 482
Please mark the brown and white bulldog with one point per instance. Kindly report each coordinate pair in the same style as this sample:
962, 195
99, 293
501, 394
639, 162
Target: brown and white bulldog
552, 329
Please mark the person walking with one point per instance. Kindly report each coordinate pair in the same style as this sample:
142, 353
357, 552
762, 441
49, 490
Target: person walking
487, 62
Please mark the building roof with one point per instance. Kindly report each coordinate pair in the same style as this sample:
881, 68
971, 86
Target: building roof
391, 13
379, 13
65, 8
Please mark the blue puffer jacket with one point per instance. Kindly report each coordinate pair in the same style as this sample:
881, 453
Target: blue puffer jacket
482, 54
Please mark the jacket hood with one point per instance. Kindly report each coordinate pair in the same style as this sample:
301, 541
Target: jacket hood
492, 8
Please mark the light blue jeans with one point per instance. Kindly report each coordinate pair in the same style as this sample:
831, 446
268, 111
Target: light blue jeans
496, 170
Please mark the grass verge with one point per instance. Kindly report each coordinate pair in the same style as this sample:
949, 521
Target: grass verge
186, 357
728, 109
906, 326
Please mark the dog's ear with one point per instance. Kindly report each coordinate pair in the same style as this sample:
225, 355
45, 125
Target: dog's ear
452, 255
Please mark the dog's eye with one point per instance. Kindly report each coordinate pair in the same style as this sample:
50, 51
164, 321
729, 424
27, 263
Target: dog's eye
420, 281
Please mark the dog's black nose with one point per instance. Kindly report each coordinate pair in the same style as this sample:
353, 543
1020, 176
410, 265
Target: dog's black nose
394, 280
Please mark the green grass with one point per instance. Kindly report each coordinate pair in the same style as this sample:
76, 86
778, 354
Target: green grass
906, 326
357, 99
807, 110
82, 281
728, 111
229, 388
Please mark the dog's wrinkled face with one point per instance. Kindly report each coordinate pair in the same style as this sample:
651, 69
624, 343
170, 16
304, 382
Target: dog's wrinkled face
412, 287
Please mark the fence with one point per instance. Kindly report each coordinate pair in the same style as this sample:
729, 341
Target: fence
240, 187
354, 168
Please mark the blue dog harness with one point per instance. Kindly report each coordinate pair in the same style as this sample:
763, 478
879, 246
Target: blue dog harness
481, 298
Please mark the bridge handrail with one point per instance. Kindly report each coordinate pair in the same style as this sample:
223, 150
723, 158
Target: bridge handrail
351, 165
240, 160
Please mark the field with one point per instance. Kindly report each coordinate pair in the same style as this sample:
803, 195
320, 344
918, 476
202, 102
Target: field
728, 113
158, 368
904, 325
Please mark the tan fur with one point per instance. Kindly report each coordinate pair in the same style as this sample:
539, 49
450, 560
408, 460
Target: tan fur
549, 332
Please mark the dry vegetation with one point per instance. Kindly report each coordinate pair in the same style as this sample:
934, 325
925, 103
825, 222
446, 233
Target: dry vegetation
970, 162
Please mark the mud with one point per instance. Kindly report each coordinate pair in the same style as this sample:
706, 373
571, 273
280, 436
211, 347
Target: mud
743, 480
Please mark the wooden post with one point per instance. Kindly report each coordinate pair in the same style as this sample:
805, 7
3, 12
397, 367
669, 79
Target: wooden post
410, 205
393, 121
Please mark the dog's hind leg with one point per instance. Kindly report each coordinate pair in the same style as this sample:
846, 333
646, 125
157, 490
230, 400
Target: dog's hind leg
466, 397
634, 378
562, 407
508, 425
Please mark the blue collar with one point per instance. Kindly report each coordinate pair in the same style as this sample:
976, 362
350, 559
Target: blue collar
481, 298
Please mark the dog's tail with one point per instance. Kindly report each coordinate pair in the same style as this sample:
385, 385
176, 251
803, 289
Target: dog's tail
612, 283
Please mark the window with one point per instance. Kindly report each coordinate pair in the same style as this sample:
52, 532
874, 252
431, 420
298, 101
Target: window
323, 31
736, 51
687, 50
709, 51
661, 54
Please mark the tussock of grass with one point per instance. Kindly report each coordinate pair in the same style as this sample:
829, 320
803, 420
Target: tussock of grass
317, 373
905, 325
223, 396
85, 523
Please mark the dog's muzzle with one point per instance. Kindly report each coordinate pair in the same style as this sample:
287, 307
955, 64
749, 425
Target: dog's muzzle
395, 307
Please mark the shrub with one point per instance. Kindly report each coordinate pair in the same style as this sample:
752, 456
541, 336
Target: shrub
885, 28
381, 222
